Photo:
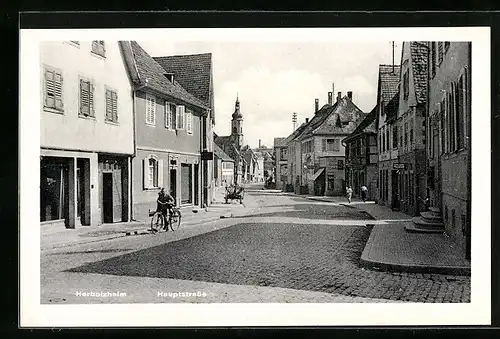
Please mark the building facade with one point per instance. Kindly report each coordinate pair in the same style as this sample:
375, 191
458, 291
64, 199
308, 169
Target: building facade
281, 163
448, 135
168, 129
86, 125
410, 127
223, 168
362, 157
387, 106
194, 72
322, 151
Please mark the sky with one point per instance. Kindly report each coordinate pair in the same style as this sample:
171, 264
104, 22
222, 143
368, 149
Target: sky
274, 80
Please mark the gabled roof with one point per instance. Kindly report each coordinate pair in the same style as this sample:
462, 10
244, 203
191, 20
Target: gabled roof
316, 120
419, 52
193, 72
367, 125
151, 73
391, 108
343, 119
388, 78
294, 134
278, 142
219, 153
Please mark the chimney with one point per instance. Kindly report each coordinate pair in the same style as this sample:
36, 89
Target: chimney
260, 145
349, 95
316, 105
333, 89
339, 96
307, 120
330, 98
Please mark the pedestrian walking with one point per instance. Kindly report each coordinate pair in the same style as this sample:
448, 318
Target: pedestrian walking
364, 192
349, 193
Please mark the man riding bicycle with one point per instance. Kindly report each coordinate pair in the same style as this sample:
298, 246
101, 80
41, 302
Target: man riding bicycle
164, 204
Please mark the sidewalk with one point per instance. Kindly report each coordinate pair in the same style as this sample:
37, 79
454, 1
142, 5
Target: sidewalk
55, 239
390, 247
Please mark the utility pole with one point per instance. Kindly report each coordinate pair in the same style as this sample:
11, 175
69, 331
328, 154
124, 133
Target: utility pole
393, 57
294, 120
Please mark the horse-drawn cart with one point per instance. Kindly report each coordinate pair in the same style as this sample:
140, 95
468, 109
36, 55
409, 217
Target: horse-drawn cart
234, 193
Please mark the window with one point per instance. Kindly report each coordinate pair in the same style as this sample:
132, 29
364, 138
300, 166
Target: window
181, 117
387, 139
53, 89
170, 111
383, 139
452, 115
411, 135
111, 106
86, 98
446, 46
153, 172
461, 104
406, 84
98, 47
150, 110
442, 126
406, 134
331, 145
340, 164
395, 137
440, 52
401, 135
189, 121
433, 59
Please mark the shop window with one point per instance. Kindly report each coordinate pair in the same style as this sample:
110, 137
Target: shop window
53, 191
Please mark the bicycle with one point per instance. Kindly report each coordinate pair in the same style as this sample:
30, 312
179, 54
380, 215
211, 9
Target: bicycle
173, 220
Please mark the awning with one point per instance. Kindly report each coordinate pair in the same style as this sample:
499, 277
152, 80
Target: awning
318, 173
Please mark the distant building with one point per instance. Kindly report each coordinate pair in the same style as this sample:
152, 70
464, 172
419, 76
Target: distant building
280, 163
323, 154
223, 167
362, 156
232, 144
86, 134
294, 159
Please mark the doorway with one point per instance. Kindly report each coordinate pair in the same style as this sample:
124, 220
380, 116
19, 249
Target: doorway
196, 185
107, 197
173, 184
395, 185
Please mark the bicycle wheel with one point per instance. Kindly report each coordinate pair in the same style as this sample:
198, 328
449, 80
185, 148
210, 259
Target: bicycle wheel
157, 222
175, 220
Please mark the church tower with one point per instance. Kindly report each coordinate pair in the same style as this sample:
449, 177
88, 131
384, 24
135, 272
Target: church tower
237, 125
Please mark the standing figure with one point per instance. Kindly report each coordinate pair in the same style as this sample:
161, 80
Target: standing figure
364, 192
349, 193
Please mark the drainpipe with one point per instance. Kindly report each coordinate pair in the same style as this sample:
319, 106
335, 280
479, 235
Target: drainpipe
134, 112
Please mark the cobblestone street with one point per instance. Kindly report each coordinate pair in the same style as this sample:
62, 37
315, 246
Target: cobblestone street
284, 242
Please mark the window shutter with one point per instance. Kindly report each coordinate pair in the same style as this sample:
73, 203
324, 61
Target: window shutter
84, 97
145, 173
183, 115
91, 99
114, 100
179, 117
160, 172
109, 106
324, 145
58, 93
49, 89
167, 115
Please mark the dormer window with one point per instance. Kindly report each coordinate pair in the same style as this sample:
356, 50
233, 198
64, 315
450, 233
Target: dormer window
169, 76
